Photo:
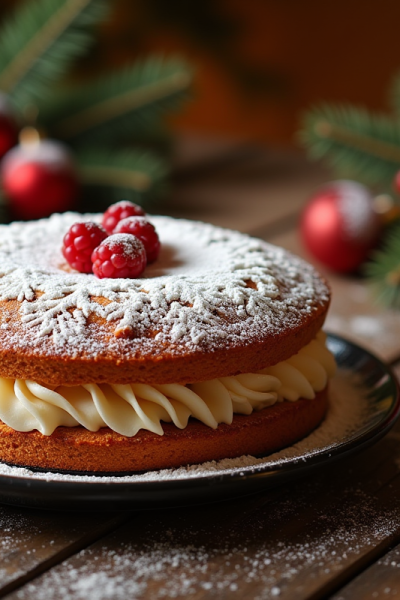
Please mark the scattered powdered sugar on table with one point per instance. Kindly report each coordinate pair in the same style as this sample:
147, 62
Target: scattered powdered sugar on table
347, 412
197, 294
259, 553
13, 534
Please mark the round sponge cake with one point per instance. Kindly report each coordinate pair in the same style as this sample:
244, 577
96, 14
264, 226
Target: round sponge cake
216, 304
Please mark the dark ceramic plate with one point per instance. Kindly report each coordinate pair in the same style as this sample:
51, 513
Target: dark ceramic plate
365, 405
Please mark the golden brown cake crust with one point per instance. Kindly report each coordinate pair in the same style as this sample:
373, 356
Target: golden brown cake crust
164, 365
76, 449
216, 303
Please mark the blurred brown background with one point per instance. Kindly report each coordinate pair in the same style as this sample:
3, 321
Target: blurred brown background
259, 63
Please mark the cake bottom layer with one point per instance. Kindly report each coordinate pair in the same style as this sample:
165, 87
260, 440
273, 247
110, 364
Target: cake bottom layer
77, 449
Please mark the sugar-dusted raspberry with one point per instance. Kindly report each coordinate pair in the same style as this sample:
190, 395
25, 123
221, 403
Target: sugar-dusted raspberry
118, 211
120, 255
79, 243
145, 231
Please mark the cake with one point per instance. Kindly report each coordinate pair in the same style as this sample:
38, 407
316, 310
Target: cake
215, 352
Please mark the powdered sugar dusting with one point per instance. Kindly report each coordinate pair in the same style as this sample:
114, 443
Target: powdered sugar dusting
195, 295
168, 556
348, 410
130, 244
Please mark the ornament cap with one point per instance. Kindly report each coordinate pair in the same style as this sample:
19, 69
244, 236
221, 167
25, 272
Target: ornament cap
29, 135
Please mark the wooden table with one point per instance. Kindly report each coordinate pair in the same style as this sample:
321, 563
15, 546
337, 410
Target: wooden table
333, 534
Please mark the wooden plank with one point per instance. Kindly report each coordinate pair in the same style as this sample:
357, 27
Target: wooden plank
31, 541
303, 540
261, 188
382, 578
192, 155
354, 313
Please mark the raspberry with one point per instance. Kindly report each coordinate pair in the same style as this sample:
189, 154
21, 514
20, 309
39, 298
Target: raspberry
118, 211
79, 243
120, 255
146, 233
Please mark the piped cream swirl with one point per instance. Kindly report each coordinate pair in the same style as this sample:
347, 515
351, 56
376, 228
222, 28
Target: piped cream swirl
26, 405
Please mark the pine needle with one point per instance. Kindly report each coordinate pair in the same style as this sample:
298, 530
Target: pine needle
38, 44
126, 169
132, 100
355, 142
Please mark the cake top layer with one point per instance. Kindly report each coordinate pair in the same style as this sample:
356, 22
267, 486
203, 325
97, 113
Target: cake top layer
211, 288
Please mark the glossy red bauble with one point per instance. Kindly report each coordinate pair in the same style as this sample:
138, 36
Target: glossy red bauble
38, 179
339, 225
8, 127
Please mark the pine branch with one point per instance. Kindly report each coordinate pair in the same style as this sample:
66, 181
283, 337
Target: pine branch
132, 100
141, 172
38, 44
354, 142
384, 269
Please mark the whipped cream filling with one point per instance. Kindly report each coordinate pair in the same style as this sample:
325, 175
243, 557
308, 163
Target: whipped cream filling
26, 405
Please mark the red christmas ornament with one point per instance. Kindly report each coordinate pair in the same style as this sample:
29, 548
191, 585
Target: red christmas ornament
8, 127
339, 226
38, 177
